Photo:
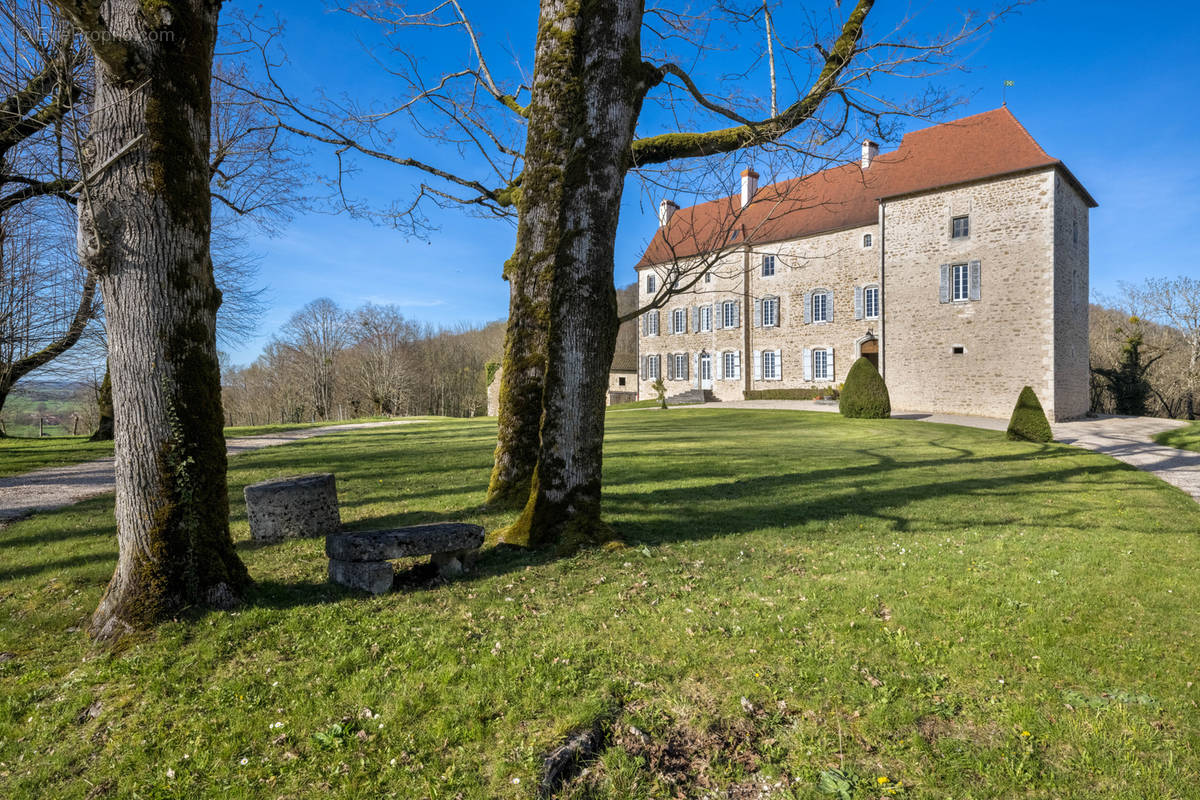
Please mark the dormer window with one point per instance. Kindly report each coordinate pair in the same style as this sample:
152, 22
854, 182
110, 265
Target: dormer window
960, 227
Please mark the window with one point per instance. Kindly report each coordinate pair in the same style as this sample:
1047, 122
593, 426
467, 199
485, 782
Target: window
730, 360
770, 312
729, 314
820, 365
960, 227
681, 366
871, 302
653, 367
652, 323
958, 349
820, 307
768, 266
770, 365
708, 277
867, 240
649, 284
620, 381
679, 320
706, 318
959, 289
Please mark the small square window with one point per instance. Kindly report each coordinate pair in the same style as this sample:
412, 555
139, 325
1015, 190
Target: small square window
768, 266
620, 381
960, 227
867, 240
958, 349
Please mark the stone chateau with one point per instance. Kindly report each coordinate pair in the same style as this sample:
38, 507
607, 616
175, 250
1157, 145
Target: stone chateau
957, 263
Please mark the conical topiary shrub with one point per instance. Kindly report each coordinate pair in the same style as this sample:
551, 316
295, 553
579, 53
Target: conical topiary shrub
865, 395
1028, 422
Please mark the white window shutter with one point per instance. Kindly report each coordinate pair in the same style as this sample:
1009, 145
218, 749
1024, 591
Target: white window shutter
758, 313
945, 293
670, 366
718, 366
757, 365
858, 302
642, 374
807, 356
737, 313
685, 321
832, 372
718, 317
737, 364
808, 307
973, 277
696, 318
687, 375
829, 306
778, 365
645, 324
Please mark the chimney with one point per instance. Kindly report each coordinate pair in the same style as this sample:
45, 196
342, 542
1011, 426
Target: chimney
870, 152
665, 209
749, 185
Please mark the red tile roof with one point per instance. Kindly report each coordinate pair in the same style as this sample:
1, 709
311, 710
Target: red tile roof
986, 145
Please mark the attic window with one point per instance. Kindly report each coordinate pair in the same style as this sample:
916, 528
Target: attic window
960, 227
734, 235
958, 349
867, 239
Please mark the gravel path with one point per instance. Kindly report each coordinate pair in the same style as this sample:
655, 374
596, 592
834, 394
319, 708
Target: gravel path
1128, 439
55, 487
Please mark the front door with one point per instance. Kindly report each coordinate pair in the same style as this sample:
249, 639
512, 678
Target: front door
706, 370
870, 351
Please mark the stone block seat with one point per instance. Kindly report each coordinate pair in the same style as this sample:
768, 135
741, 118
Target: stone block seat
359, 559
296, 505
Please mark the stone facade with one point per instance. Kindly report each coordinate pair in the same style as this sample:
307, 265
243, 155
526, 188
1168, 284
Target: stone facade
1021, 271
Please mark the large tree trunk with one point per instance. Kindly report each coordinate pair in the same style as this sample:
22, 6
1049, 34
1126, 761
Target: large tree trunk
145, 230
104, 403
581, 127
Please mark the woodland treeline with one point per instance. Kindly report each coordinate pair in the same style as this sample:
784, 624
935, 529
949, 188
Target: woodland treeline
329, 363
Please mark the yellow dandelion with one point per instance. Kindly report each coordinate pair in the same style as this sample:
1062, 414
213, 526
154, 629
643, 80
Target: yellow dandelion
881, 780
1025, 733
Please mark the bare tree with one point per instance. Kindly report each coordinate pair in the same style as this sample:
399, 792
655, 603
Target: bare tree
145, 220
1174, 302
317, 334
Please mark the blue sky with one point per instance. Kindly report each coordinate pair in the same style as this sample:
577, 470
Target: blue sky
1114, 95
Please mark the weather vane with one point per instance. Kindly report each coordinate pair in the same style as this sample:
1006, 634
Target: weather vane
1004, 92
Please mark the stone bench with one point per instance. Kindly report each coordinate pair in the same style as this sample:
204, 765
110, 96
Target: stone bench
298, 505
360, 559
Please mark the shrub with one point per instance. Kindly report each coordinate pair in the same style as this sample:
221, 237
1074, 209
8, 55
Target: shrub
660, 389
865, 395
1028, 422
782, 394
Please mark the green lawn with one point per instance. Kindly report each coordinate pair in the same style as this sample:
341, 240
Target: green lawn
19, 455
1185, 438
964, 616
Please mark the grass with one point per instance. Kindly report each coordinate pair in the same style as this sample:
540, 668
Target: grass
1185, 438
804, 599
18, 455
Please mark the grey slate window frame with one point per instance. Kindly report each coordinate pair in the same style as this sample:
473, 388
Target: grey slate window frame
960, 227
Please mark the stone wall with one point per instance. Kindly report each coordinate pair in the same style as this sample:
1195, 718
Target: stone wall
1071, 290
